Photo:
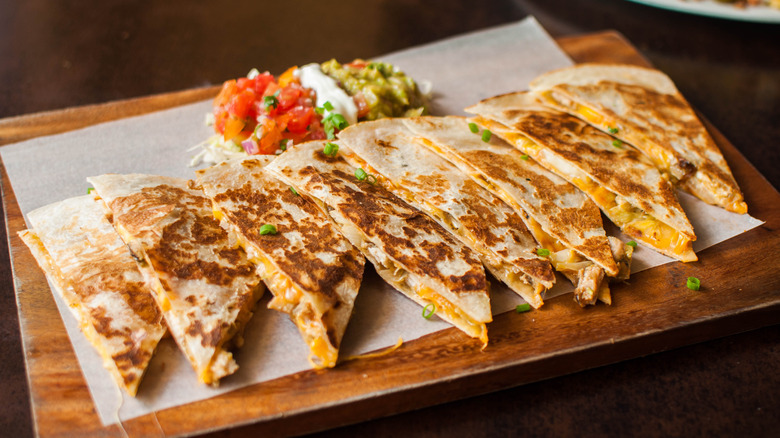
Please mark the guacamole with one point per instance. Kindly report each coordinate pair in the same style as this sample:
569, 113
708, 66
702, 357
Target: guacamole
379, 89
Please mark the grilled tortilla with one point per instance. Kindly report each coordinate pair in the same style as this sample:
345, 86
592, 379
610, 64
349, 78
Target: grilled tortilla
93, 271
202, 281
630, 191
561, 217
313, 272
411, 251
641, 106
484, 223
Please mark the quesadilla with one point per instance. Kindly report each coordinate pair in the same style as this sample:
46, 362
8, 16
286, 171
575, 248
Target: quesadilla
630, 191
408, 249
642, 107
202, 281
313, 272
562, 218
92, 270
483, 222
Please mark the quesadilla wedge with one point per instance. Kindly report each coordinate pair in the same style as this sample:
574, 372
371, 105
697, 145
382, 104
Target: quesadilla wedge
561, 217
642, 107
630, 191
202, 281
313, 272
484, 223
408, 249
92, 270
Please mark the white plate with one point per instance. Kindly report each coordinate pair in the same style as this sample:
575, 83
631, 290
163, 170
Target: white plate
712, 8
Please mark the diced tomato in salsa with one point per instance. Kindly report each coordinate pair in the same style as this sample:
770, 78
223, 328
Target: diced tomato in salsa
283, 110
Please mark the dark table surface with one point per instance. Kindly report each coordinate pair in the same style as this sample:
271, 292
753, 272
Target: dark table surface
60, 54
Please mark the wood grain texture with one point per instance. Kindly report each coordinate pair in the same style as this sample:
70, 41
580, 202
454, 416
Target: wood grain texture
652, 313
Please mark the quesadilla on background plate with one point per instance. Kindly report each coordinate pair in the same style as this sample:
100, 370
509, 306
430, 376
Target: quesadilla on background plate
202, 281
642, 107
409, 250
484, 223
561, 217
313, 272
630, 191
93, 271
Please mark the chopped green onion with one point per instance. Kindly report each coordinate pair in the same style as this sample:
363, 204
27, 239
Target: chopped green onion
360, 174
319, 110
339, 121
528, 179
524, 157
617, 143
612, 130
429, 310
90, 190
693, 283
267, 229
543, 252
473, 127
525, 307
283, 144
331, 149
270, 101
631, 243
486, 135
371, 179
328, 106
294, 192
332, 122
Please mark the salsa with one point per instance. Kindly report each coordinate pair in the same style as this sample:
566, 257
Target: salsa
263, 114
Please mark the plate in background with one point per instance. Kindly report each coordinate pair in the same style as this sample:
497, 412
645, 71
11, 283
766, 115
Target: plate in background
712, 8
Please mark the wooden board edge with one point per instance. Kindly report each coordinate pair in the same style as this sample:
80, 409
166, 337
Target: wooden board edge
25, 127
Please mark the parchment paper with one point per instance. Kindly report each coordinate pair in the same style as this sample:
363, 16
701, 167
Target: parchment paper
462, 71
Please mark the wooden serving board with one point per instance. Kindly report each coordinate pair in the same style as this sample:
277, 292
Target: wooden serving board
655, 312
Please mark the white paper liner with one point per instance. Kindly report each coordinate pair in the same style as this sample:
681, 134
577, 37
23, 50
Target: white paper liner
462, 70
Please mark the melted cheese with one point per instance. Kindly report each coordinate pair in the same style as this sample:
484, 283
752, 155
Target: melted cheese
574, 261
288, 298
633, 221
472, 328
660, 157
637, 223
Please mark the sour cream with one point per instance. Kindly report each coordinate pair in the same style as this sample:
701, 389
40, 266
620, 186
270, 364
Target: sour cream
328, 90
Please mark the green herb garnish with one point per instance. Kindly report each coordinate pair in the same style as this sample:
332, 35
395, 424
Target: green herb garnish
521, 308
486, 135
524, 157
267, 229
429, 310
333, 121
269, 101
617, 143
693, 283
612, 130
543, 252
631, 243
294, 192
283, 144
473, 127
331, 149
361, 174
90, 190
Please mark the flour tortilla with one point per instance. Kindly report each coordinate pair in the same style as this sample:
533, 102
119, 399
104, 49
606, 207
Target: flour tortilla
202, 281
313, 272
92, 270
